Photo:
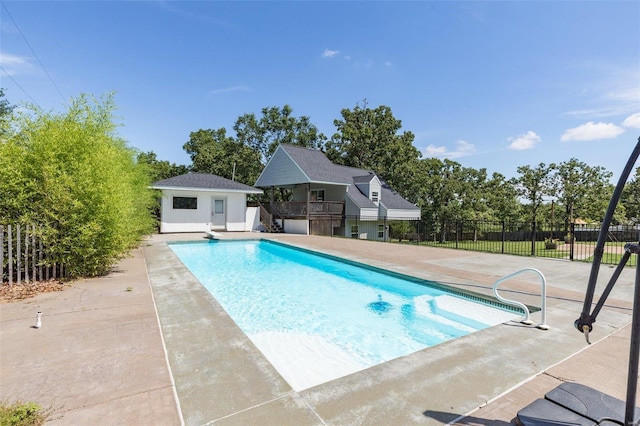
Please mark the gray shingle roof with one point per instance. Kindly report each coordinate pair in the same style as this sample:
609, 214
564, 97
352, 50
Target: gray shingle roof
193, 180
364, 179
319, 169
392, 200
313, 163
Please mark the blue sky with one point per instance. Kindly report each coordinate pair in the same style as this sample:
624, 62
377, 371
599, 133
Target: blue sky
488, 84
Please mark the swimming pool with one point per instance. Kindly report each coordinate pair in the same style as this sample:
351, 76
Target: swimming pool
316, 318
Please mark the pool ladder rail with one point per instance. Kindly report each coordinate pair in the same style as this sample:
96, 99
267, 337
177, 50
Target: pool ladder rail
526, 319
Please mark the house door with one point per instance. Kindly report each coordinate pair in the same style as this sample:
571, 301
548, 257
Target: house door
218, 214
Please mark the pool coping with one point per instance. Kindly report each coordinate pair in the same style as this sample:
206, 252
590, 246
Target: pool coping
222, 378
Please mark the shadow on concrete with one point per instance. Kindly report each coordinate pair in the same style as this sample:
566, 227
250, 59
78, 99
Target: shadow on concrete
448, 418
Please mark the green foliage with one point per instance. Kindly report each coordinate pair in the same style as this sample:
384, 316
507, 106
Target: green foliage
502, 199
276, 126
399, 229
368, 138
371, 138
533, 184
70, 173
212, 151
5, 114
631, 198
441, 185
22, 414
158, 169
584, 191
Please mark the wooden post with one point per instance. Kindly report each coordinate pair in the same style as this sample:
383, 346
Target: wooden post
271, 210
33, 253
18, 245
1, 254
308, 207
26, 254
40, 255
10, 247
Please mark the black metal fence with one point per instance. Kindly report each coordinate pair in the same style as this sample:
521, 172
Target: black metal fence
576, 242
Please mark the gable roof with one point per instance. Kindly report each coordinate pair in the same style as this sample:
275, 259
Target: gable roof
314, 167
204, 182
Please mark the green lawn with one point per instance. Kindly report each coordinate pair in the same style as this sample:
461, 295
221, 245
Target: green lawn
583, 251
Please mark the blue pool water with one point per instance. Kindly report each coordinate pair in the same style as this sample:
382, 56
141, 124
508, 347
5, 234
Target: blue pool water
317, 318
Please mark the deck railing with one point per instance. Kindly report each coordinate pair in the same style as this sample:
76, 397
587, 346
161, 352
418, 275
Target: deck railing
316, 208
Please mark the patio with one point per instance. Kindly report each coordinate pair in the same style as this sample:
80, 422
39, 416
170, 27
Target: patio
219, 377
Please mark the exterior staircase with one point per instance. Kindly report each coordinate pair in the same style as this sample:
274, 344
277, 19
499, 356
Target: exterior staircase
269, 221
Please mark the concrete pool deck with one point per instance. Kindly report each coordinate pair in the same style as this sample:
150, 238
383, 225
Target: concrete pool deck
100, 355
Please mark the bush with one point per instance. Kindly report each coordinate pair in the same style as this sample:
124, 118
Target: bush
22, 414
73, 175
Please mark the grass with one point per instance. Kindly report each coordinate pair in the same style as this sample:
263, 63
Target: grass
583, 251
22, 414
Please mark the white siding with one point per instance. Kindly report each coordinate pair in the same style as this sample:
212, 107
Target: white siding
295, 226
331, 192
252, 219
199, 220
280, 171
399, 213
367, 229
236, 209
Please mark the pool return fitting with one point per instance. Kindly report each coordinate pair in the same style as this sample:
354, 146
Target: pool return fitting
526, 319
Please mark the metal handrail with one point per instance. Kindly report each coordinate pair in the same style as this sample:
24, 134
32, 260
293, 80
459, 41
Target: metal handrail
526, 320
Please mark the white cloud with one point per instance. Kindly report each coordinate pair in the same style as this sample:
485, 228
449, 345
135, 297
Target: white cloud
633, 121
329, 53
523, 142
388, 64
463, 149
13, 64
229, 89
612, 91
592, 131
435, 151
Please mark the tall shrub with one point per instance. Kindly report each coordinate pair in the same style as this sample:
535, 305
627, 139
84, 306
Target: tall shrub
72, 174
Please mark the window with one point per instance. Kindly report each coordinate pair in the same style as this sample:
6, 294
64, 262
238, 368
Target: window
354, 231
181, 203
218, 206
374, 196
317, 195
380, 231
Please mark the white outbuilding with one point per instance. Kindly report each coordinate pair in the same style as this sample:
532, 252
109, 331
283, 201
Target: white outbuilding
203, 202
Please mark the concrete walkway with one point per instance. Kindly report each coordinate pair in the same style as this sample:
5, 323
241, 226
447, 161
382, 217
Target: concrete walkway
99, 357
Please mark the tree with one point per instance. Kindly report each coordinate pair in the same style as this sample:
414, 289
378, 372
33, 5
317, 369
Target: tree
212, 151
440, 188
631, 198
72, 174
473, 194
160, 169
6, 110
276, 126
368, 138
473, 197
534, 184
502, 198
583, 190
